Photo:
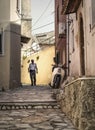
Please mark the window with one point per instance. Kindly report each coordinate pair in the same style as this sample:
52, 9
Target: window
1, 44
73, 48
93, 12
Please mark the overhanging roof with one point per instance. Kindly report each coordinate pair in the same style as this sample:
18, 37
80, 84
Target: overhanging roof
70, 6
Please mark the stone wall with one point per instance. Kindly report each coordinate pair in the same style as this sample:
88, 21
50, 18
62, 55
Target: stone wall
77, 100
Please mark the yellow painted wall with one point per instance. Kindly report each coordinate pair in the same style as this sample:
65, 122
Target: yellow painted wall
44, 66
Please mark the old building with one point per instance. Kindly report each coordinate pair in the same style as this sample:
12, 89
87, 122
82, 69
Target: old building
26, 24
60, 33
80, 35
10, 34
15, 32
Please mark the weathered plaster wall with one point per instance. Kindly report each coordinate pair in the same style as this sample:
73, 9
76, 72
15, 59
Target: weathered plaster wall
5, 59
89, 38
44, 62
10, 37
10, 60
78, 102
85, 11
15, 56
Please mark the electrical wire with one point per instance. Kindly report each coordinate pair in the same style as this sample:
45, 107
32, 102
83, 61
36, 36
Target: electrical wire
34, 29
41, 42
42, 13
39, 17
42, 26
34, 23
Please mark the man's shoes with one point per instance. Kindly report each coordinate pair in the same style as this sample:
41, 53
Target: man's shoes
33, 84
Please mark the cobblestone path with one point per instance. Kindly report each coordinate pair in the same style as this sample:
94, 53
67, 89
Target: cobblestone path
31, 108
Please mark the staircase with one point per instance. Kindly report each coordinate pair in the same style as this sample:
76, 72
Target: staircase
28, 97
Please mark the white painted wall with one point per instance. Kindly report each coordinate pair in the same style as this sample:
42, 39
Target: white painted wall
10, 37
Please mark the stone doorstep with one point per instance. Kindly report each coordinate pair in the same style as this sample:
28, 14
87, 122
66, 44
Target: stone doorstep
28, 105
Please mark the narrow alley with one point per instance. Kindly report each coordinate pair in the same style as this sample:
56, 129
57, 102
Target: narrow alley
52, 41
32, 108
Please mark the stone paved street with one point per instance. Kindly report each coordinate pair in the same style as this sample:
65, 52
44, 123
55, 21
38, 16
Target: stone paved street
37, 118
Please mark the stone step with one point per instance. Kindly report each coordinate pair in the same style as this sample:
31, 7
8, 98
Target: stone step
29, 105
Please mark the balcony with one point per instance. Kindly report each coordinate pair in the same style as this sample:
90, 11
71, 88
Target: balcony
70, 6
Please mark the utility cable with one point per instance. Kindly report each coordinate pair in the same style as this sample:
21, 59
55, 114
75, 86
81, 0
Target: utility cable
34, 29
42, 13
42, 26
41, 42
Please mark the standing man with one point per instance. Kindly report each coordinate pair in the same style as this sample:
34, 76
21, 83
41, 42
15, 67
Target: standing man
33, 70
